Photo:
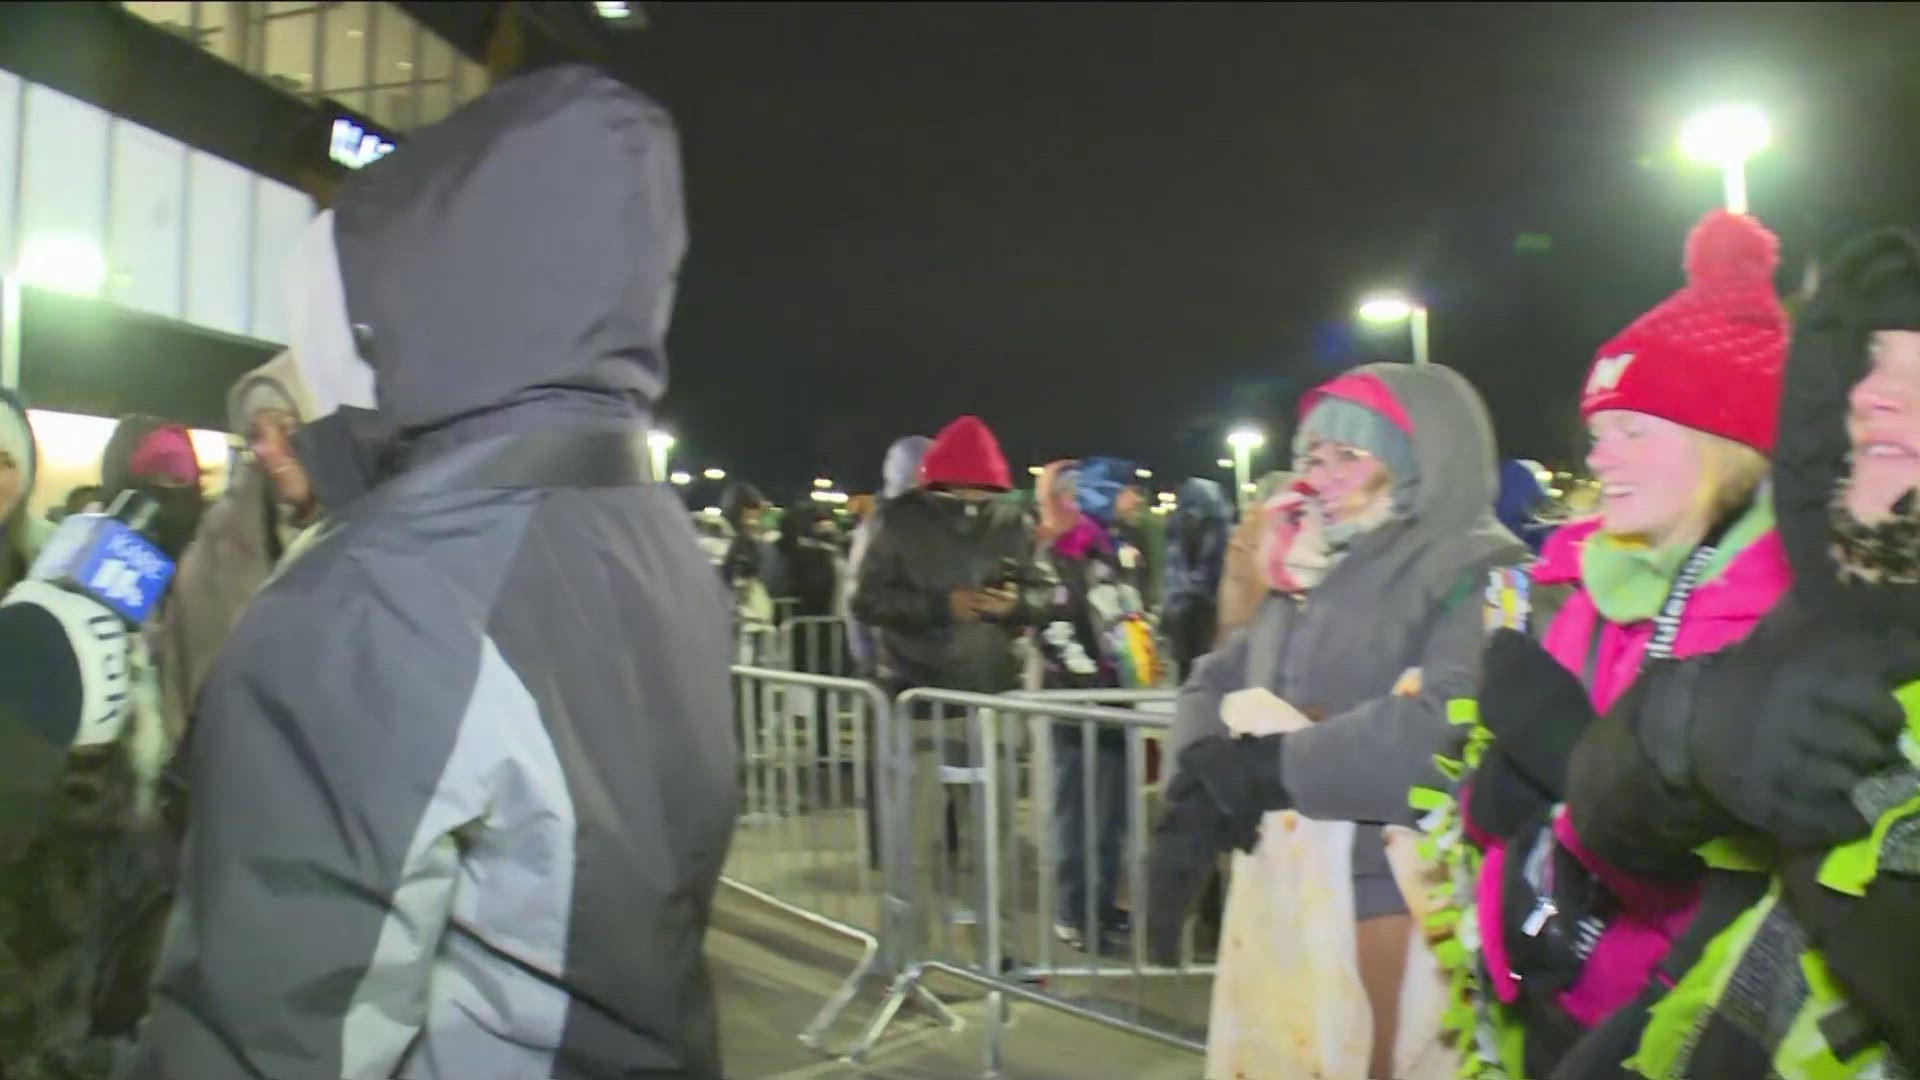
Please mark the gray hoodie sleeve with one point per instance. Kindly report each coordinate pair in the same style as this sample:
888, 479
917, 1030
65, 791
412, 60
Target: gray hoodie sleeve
1359, 765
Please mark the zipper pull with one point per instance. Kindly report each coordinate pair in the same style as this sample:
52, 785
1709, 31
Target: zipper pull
1537, 918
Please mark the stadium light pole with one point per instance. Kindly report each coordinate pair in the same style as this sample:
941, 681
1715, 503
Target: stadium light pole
660, 451
1727, 136
1386, 310
1244, 442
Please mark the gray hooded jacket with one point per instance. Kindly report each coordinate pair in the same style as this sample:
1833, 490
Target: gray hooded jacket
1406, 595
462, 781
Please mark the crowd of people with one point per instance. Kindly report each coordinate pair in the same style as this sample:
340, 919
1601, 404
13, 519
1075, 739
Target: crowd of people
427, 770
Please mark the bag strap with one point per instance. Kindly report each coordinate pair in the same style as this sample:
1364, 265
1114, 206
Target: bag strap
563, 458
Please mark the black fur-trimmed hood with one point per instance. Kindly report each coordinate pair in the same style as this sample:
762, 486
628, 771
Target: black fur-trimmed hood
1871, 284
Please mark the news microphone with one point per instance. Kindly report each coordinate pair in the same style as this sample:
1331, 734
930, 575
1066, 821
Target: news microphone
68, 632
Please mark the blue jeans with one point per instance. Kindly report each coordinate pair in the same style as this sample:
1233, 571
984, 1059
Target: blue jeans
1109, 832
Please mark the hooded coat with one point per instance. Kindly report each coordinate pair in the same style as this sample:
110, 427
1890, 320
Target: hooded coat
20, 534
899, 474
180, 507
242, 537
930, 543
1196, 561
1741, 989
1405, 595
463, 780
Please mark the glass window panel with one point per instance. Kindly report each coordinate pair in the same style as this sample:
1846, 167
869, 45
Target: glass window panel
436, 79
10, 90
393, 60
280, 216
289, 38
147, 219
344, 60
63, 179
219, 231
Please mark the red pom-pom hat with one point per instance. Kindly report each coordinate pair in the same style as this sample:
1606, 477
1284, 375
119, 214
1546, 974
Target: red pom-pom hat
1711, 356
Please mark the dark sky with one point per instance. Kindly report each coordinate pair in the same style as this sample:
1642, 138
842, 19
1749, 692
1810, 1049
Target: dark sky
1121, 228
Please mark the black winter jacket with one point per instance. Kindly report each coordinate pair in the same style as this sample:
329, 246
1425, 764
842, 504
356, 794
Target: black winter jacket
926, 545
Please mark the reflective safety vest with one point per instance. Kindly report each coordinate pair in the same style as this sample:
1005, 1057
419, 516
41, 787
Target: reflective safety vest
1762, 966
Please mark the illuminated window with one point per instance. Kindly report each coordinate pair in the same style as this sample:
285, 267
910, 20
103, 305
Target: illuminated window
288, 36
372, 58
345, 54
394, 61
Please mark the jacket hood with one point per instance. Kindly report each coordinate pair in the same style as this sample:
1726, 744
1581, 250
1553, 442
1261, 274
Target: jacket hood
521, 252
1872, 284
901, 471
1100, 482
738, 496
1202, 499
16, 438
1519, 501
116, 459
1452, 443
966, 455
275, 384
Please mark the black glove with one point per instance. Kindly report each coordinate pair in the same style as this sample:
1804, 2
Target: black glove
1786, 725
1501, 797
1242, 778
1534, 706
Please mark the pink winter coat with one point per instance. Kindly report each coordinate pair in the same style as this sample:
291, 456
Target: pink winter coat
1720, 612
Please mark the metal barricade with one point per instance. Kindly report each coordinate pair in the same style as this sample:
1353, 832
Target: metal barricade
809, 838
817, 644
1005, 802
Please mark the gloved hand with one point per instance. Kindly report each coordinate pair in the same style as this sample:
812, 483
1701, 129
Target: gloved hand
1502, 798
1786, 725
1534, 706
1241, 777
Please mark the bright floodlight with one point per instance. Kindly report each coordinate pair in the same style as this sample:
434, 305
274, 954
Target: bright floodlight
821, 483
1387, 309
1144, 474
1225, 463
1246, 440
681, 479
715, 474
64, 264
1727, 135
1168, 496
660, 440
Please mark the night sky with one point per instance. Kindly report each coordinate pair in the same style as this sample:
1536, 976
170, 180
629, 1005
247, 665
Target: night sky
1122, 228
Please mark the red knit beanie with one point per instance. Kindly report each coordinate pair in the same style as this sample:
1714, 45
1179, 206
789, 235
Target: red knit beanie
1709, 357
966, 455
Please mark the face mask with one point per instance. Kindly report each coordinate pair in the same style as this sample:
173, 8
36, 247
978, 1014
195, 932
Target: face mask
178, 518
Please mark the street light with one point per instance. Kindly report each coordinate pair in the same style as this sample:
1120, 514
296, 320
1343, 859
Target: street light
680, 479
1244, 442
821, 483
1144, 474
715, 474
1727, 136
659, 449
64, 264
1225, 463
1387, 310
